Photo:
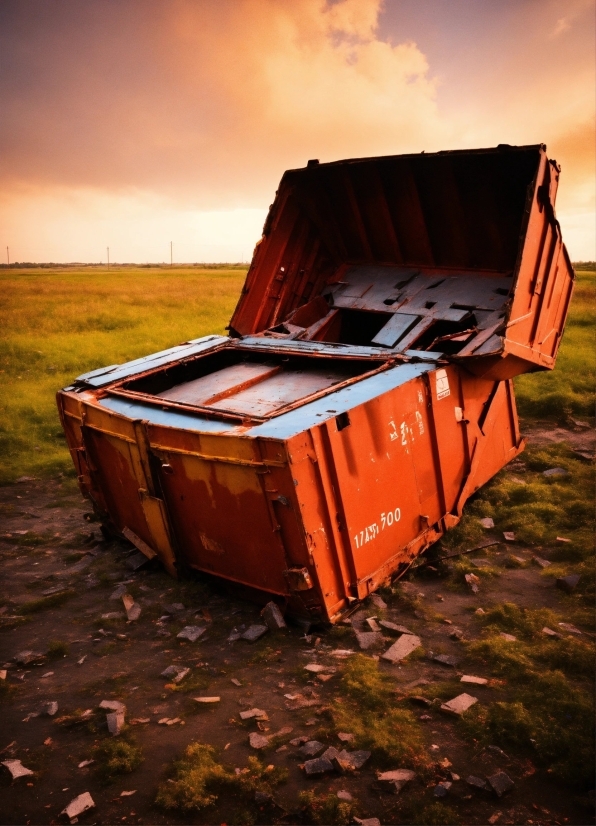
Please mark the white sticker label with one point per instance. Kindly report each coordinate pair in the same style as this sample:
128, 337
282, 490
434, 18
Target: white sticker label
442, 384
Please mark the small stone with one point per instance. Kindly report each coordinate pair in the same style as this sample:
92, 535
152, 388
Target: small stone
373, 624
507, 637
273, 617
367, 821
82, 660
508, 536
119, 592
320, 765
112, 705
442, 788
368, 639
542, 563
316, 668
356, 759
555, 471
191, 633
480, 612
254, 633
50, 708
27, 657
494, 818
562, 539
236, 682
501, 783
446, 659
129, 793
418, 698
459, 704
77, 806
346, 737
456, 634
174, 608
394, 781
476, 782
378, 601
175, 673
312, 748
207, 700
323, 678
548, 632
454, 777
468, 678
472, 582
298, 741
255, 713
487, 522
571, 629
115, 720
16, 768
84, 763
568, 583
283, 732
400, 649
344, 795
3, 673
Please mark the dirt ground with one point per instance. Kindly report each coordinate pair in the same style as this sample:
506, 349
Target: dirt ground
46, 544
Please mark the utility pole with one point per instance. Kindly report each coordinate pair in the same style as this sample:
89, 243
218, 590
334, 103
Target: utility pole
7, 257
171, 256
108, 258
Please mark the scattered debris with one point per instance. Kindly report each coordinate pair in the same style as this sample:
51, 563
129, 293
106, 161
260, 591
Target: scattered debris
49, 708
391, 626
3, 673
477, 782
16, 768
456, 634
169, 721
400, 649
82, 659
136, 561
320, 765
317, 668
542, 563
509, 536
77, 806
480, 612
459, 704
341, 653
494, 818
367, 821
133, 609
236, 682
368, 639
344, 795
378, 601
256, 713
273, 617
555, 471
84, 763
253, 633
372, 624
442, 788
207, 700
138, 721
174, 609
311, 748
487, 522
27, 657
257, 741
394, 781
128, 794
446, 659
468, 678
115, 720
119, 592
568, 583
571, 629
112, 705
191, 633
501, 783
176, 672
548, 632
472, 581
562, 539
346, 737
481, 563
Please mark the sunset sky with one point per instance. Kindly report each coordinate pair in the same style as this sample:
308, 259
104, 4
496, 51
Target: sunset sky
133, 123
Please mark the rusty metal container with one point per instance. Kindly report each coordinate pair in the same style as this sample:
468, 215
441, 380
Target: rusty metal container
364, 392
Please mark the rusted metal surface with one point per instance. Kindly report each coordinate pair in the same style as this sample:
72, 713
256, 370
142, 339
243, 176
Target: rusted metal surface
316, 455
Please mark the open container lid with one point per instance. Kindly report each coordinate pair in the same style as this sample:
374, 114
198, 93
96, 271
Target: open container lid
457, 252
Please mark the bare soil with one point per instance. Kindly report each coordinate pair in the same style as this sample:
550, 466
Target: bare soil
47, 543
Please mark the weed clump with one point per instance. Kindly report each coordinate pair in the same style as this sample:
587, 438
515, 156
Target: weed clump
324, 809
57, 649
367, 710
198, 780
116, 756
33, 606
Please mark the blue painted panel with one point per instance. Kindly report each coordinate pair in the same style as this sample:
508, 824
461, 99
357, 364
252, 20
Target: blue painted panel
106, 375
170, 418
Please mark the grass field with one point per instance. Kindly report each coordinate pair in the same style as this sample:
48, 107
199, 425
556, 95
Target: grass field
59, 323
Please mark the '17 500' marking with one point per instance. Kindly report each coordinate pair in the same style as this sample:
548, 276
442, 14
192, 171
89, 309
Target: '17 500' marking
372, 531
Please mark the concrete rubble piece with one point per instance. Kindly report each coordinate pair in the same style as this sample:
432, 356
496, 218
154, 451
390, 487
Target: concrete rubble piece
400, 649
459, 704
80, 804
16, 769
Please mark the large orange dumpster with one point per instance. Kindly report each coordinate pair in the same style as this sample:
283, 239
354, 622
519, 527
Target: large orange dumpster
364, 392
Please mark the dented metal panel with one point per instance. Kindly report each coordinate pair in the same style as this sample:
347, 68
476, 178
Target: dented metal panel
364, 393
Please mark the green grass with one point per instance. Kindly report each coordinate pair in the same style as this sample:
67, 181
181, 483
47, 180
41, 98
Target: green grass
43, 603
570, 387
198, 780
325, 809
59, 323
115, 756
